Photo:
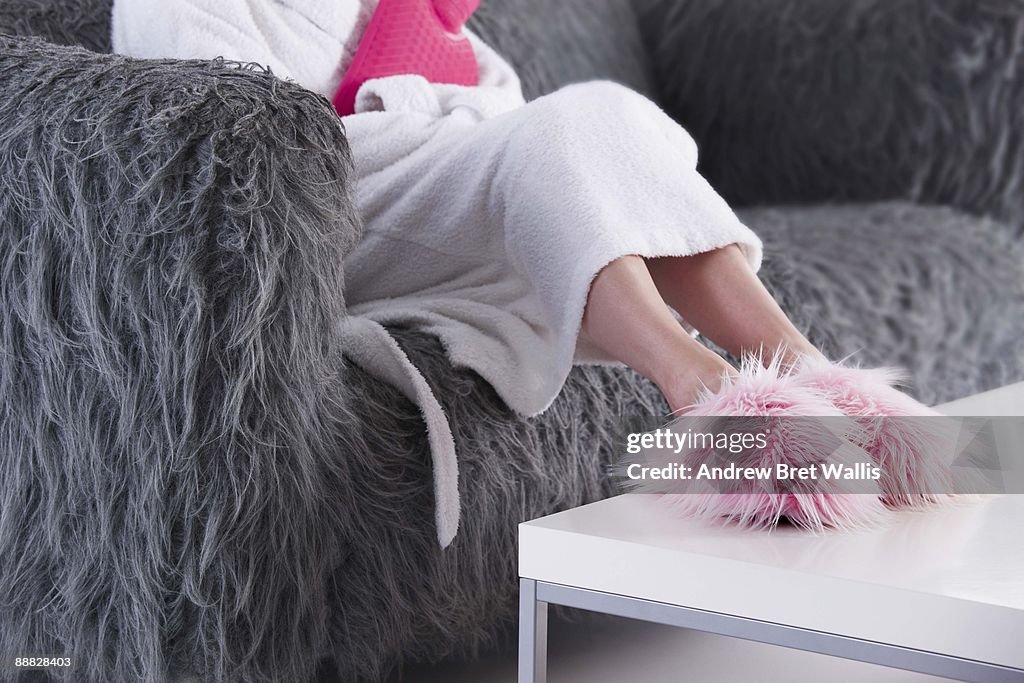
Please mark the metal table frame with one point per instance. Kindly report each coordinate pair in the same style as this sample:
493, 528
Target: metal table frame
535, 596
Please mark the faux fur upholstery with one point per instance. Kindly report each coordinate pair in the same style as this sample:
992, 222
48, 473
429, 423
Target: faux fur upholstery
924, 288
401, 598
85, 23
552, 43
174, 424
849, 99
192, 477
426, 605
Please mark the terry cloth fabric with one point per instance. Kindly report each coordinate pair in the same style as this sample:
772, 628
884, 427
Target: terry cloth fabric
307, 41
487, 218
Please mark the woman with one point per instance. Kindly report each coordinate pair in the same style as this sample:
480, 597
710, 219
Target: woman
526, 236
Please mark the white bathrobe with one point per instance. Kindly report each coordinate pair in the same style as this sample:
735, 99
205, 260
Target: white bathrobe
486, 218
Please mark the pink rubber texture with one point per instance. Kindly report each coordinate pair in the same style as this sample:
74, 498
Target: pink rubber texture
423, 37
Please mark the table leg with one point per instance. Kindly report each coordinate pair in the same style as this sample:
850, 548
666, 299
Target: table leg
533, 634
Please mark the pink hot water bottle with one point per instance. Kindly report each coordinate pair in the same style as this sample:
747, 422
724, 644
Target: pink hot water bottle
422, 37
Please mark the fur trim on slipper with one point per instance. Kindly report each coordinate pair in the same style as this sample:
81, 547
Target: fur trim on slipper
757, 503
897, 431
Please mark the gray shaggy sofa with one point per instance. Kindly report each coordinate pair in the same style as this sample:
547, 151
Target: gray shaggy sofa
193, 480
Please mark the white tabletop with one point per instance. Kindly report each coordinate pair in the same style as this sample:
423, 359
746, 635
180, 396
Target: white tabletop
949, 579
1005, 401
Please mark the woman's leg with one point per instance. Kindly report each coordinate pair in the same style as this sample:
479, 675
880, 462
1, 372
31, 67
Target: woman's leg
719, 294
627, 318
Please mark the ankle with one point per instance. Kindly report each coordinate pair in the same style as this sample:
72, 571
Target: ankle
793, 355
684, 382
788, 353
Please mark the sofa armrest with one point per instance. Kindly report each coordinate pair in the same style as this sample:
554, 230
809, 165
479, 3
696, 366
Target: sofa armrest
796, 101
172, 413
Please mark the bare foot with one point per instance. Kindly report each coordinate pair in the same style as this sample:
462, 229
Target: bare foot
703, 370
792, 352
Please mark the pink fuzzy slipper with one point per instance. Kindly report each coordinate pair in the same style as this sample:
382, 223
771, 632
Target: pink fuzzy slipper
908, 447
775, 396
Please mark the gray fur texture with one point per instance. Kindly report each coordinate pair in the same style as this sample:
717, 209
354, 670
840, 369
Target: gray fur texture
425, 605
84, 23
173, 486
925, 288
840, 100
193, 478
568, 41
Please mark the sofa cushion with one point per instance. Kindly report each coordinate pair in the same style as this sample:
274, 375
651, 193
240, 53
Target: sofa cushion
931, 289
944, 299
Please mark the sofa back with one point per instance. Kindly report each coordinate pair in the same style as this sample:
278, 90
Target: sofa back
556, 42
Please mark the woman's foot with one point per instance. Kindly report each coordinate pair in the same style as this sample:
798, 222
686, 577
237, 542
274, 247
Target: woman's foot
697, 371
627, 319
718, 293
790, 352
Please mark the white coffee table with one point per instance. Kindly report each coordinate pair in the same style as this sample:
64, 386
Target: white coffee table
939, 592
